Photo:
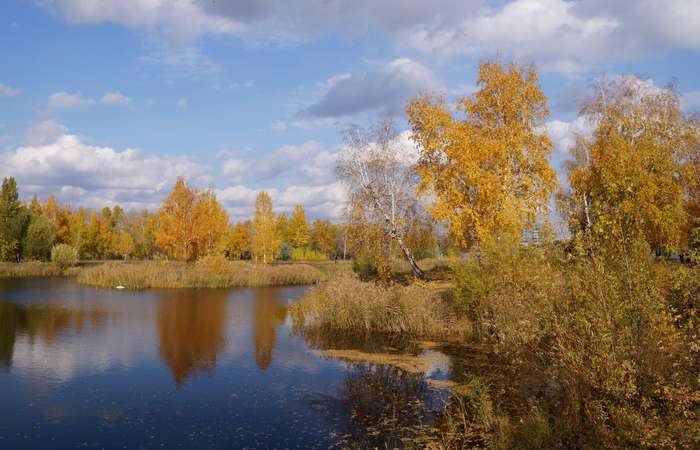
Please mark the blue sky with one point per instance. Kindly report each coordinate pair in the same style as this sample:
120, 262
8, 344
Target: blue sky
107, 101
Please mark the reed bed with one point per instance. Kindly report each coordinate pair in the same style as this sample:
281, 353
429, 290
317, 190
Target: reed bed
29, 269
227, 274
348, 304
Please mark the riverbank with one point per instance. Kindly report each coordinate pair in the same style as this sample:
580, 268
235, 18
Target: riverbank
561, 333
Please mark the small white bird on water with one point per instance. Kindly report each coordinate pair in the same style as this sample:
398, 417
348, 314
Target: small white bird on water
119, 287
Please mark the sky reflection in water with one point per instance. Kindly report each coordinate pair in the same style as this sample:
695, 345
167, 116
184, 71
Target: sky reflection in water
175, 368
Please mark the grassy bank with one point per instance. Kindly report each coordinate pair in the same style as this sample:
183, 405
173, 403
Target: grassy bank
31, 269
347, 304
208, 273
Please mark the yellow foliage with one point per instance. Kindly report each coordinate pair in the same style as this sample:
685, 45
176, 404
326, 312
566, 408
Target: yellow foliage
190, 222
265, 241
489, 172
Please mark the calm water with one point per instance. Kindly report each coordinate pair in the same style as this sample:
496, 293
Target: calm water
205, 369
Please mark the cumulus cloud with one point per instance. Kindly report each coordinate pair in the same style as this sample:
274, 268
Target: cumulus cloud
52, 160
309, 161
7, 91
115, 99
326, 200
44, 133
561, 35
65, 100
387, 88
569, 36
563, 134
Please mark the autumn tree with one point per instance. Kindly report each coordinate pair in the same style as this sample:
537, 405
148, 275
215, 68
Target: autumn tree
235, 243
381, 180
124, 245
488, 172
299, 228
626, 179
190, 222
283, 228
265, 240
324, 237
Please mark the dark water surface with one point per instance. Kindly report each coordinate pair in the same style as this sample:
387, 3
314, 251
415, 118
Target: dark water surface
205, 369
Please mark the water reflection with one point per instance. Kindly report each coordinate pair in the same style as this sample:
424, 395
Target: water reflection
191, 328
268, 314
44, 323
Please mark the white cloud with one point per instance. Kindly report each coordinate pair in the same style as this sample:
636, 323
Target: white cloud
387, 88
65, 100
54, 161
326, 200
235, 168
235, 86
563, 134
115, 99
44, 133
561, 35
183, 103
7, 91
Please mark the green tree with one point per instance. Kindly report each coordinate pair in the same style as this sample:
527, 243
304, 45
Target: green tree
39, 239
14, 219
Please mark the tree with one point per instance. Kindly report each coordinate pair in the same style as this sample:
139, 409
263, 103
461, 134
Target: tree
14, 219
265, 240
124, 245
211, 221
39, 239
299, 228
283, 229
627, 178
323, 237
190, 222
489, 172
381, 181
235, 243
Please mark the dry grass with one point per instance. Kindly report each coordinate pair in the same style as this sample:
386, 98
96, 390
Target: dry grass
29, 269
205, 274
345, 303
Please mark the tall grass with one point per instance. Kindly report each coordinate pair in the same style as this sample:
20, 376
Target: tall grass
204, 274
346, 303
29, 269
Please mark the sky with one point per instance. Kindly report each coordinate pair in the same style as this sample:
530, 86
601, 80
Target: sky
107, 102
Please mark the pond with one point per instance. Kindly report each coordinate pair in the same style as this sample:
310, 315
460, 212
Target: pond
206, 369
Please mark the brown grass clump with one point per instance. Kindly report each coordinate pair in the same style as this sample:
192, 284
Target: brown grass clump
346, 303
211, 272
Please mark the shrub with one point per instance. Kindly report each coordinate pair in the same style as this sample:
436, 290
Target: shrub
285, 252
64, 256
365, 266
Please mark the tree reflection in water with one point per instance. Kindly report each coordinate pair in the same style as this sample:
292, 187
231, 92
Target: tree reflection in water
191, 327
268, 313
46, 322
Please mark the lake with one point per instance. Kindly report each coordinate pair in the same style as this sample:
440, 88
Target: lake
206, 369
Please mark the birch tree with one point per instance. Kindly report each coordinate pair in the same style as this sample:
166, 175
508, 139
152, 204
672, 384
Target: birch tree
377, 171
